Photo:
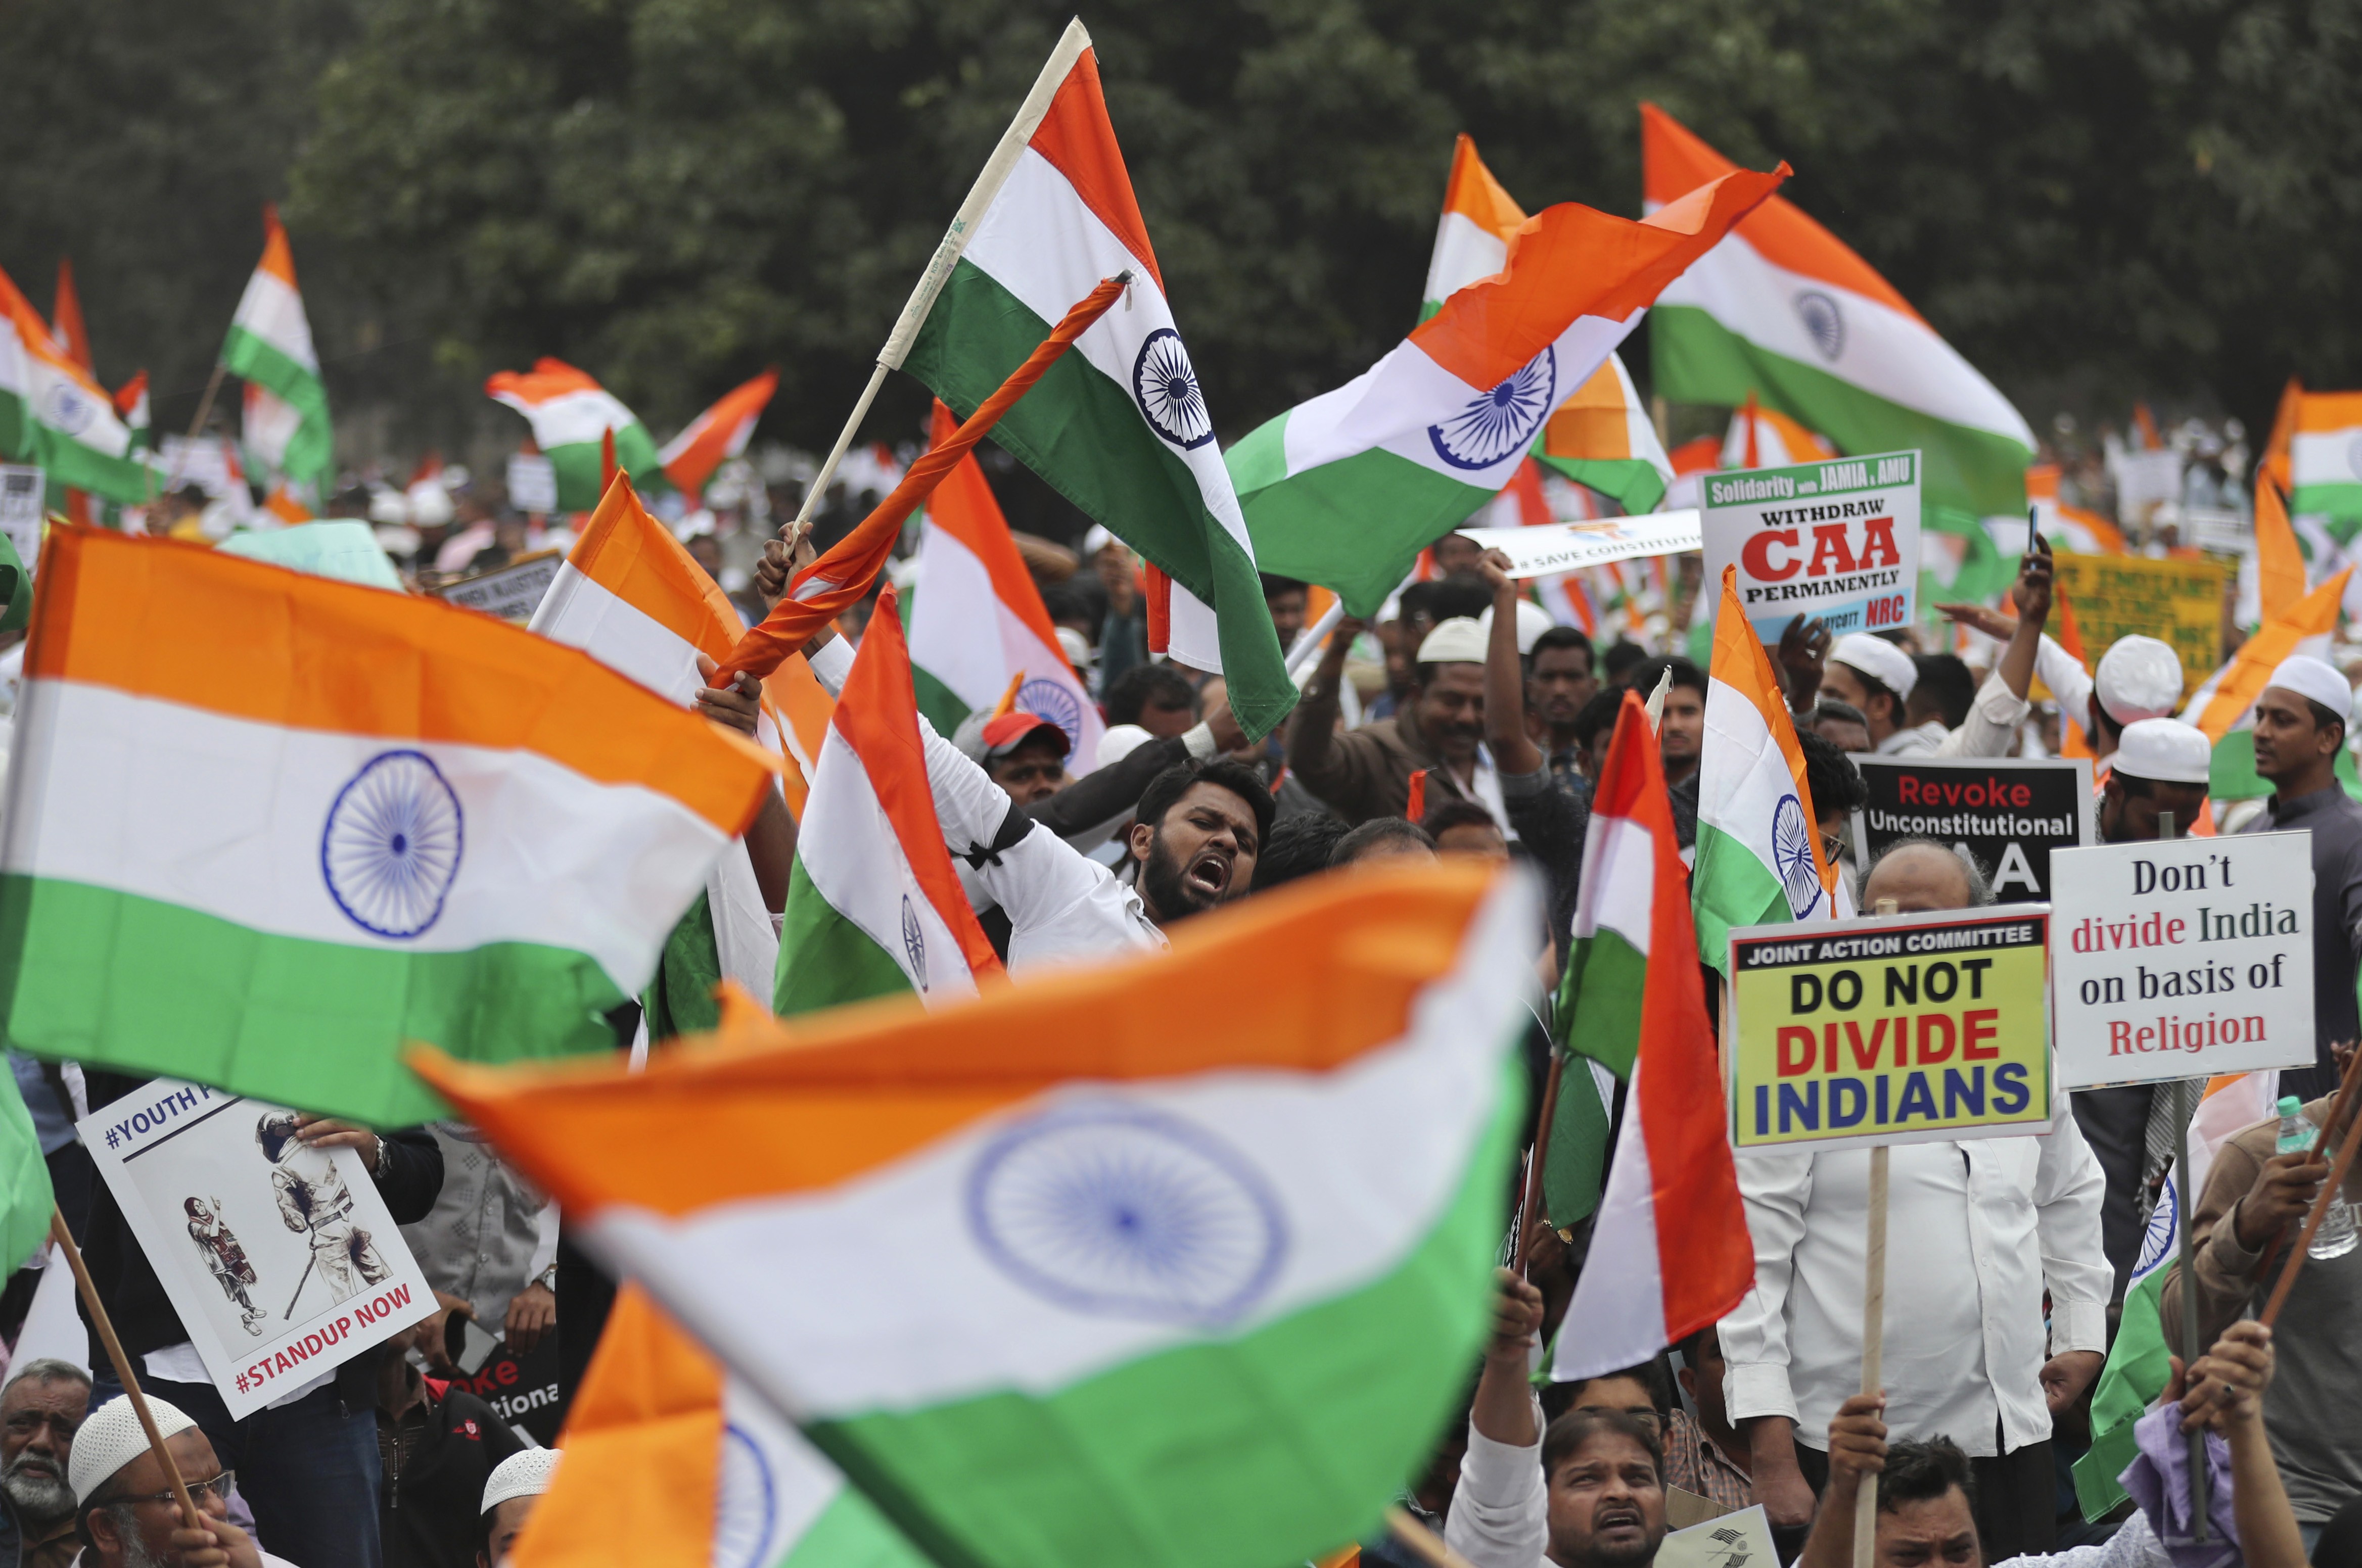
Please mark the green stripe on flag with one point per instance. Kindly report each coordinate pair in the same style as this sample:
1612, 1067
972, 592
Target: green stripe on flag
581, 465
16, 431
70, 465
1696, 360
1632, 483
679, 1000
26, 1199
1272, 1445
112, 980
1598, 1019
1732, 886
1085, 437
311, 452
942, 706
826, 960
849, 1533
2342, 504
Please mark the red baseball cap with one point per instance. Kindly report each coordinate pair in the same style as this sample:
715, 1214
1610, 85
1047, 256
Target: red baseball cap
1014, 729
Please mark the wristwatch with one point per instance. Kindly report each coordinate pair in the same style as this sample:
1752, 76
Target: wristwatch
547, 1279
377, 1171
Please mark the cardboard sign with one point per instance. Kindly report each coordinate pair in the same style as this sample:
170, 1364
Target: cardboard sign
512, 592
1838, 540
1895, 1029
1568, 546
523, 1390
2183, 959
533, 483
22, 491
281, 1260
2009, 814
2178, 601
1729, 1540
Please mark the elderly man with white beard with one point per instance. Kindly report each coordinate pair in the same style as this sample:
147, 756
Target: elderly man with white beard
40, 1409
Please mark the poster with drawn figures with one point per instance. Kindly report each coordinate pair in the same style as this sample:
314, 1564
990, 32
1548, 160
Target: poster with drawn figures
280, 1258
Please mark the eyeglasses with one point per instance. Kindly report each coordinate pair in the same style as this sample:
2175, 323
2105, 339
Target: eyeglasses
219, 1487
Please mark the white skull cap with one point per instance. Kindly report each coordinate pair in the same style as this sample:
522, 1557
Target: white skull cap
2165, 749
1459, 641
111, 1439
2139, 677
525, 1475
1880, 660
2307, 676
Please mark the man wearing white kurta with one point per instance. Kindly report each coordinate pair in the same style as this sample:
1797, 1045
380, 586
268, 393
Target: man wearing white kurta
1976, 1231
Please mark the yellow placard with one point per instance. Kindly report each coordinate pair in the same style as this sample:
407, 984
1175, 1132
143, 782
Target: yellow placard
1889, 1030
2176, 601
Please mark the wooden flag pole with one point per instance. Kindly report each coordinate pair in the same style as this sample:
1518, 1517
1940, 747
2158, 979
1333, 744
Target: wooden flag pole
122, 1363
930, 287
1533, 1203
1425, 1544
2328, 1195
196, 425
2185, 1204
1873, 1328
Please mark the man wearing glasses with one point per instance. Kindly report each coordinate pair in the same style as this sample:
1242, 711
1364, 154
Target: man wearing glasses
128, 1516
40, 1412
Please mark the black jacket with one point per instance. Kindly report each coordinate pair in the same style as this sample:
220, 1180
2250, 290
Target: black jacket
427, 1506
143, 1315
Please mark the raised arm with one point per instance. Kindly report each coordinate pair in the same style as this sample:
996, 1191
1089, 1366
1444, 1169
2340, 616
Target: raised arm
1312, 728
1514, 751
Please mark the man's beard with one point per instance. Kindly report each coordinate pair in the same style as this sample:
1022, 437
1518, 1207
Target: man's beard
40, 1497
1169, 894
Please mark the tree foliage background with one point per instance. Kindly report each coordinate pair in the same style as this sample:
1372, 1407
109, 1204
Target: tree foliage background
2095, 202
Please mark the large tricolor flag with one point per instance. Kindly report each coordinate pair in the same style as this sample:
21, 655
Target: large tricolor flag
2138, 1361
874, 906
1759, 853
1120, 426
1783, 310
978, 622
1671, 1239
66, 419
720, 433
390, 820
1059, 1285
2223, 707
571, 414
286, 424
671, 1463
1346, 490
1600, 435
2325, 460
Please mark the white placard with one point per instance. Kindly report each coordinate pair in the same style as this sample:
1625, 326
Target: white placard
1741, 1539
1568, 546
1838, 539
2182, 959
22, 490
532, 484
281, 1260
512, 592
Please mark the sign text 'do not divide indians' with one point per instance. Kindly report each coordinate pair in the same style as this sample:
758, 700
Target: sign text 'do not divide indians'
1838, 539
1901, 1028
2183, 959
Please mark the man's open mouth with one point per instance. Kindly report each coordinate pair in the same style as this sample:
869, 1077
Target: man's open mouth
1209, 873
1615, 1518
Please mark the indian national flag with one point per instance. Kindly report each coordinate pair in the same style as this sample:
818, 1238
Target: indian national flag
1194, 1298
2137, 1364
720, 433
2325, 460
570, 415
2069, 528
670, 1461
873, 907
1766, 438
1346, 490
1671, 1233
2224, 706
131, 407
1759, 852
1600, 435
269, 344
17, 437
389, 820
67, 420
25, 1198
1782, 310
1120, 426
979, 622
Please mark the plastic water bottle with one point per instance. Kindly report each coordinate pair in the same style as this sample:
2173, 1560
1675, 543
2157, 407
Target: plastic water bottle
2338, 1234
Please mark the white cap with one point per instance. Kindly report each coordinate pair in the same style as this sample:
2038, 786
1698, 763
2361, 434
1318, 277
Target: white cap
525, 1475
1075, 646
1533, 621
2139, 677
2165, 749
111, 1439
1095, 539
1121, 741
2315, 678
1459, 641
1880, 660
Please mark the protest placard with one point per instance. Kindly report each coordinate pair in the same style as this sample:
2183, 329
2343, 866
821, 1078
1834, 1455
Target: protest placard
2183, 958
1738, 1538
1838, 540
280, 1258
512, 592
522, 1388
22, 490
1568, 546
533, 483
2176, 601
2009, 814
1894, 1029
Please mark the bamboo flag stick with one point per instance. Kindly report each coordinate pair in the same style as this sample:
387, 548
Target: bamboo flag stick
995, 174
1532, 1206
64, 1239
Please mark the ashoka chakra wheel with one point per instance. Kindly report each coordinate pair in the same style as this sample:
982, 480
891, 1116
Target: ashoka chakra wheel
1792, 857
1128, 1212
1502, 423
391, 844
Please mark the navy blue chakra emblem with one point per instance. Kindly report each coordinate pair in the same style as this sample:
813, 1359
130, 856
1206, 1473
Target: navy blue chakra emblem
1164, 384
1792, 857
2160, 1237
914, 941
1502, 423
1048, 699
1824, 321
391, 844
1123, 1211
750, 1503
